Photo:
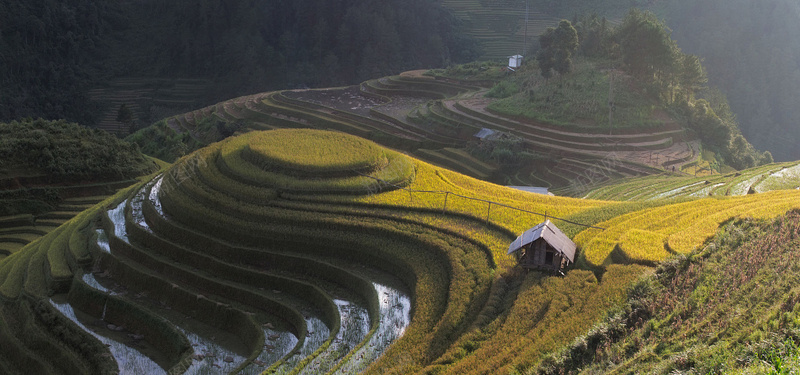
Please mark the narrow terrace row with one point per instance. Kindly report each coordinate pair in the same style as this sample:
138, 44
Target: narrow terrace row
338, 282
276, 225
197, 265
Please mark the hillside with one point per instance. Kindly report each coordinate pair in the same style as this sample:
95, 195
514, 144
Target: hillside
551, 131
761, 84
50, 171
435, 117
81, 60
266, 252
729, 307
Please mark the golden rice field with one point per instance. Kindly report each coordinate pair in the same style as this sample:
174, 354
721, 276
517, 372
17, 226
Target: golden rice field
309, 251
652, 234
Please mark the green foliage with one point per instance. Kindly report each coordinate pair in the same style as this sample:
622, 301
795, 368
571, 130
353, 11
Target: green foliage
595, 35
752, 60
55, 46
162, 142
557, 46
579, 100
728, 308
503, 89
67, 151
472, 71
647, 49
723, 136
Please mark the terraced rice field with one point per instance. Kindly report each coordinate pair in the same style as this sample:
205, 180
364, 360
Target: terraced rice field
437, 117
17, 232
141, 95
309, 251
778, 176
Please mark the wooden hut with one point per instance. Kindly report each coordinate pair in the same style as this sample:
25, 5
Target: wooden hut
544, 247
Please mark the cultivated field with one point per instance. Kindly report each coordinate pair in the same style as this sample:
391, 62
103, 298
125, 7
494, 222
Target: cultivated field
435, 117
313, 251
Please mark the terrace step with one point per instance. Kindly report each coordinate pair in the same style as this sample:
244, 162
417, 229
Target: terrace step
74, 207
207, 286
49, 222
634, 141
88, 201
24, 229
447, 161
23, 238
16, 221
57, 215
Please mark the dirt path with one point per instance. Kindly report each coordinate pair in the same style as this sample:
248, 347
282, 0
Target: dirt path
654, 158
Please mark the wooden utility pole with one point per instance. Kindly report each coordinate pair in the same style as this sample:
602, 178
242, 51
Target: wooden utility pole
525, 37
611, 100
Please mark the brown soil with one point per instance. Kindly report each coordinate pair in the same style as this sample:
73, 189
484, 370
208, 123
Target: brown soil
348, 99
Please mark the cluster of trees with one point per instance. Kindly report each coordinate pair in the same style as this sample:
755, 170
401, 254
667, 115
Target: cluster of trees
751, 51
68, 151
641, 45
53, 51
557, 44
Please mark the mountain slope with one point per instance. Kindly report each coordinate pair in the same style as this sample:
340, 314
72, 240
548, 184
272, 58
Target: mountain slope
264, 252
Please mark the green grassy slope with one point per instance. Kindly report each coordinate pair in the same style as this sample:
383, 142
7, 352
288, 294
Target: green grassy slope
730, 308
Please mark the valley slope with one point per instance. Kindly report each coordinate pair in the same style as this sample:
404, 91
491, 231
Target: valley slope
310, 251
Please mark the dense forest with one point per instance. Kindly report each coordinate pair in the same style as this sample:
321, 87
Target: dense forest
67, 151
50, 52
53, 51
752, 54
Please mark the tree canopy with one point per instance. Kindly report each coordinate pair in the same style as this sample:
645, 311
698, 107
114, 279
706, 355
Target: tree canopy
68, 151
557, 46
753, 61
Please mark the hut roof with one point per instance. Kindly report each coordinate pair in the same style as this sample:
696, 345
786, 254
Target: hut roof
483, 133
548, 231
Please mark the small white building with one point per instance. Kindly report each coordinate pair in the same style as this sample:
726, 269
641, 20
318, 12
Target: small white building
514, 62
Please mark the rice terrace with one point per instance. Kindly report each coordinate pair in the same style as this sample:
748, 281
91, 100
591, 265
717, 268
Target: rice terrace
311, 251
591, 216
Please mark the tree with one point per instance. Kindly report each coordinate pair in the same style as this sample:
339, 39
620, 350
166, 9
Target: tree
594, 35
557, 46
125, 117
692, 76
648, 52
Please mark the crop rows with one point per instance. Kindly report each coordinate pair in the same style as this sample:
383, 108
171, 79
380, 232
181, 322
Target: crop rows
648, 236
238, 225
373, 262
758, 179
391, 111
